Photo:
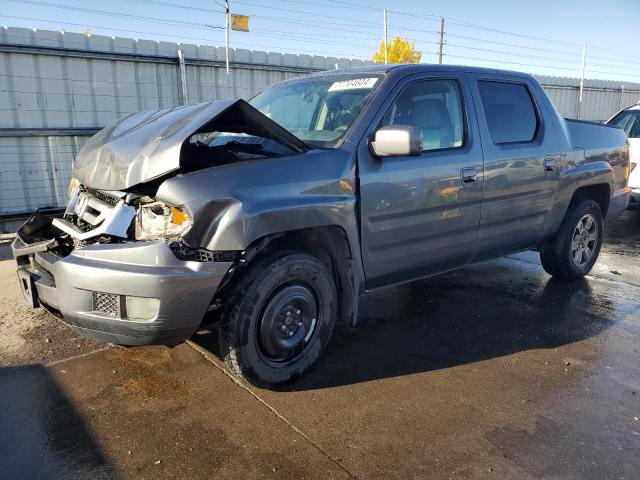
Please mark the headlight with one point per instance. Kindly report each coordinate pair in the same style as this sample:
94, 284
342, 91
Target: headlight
159, 221
74, 185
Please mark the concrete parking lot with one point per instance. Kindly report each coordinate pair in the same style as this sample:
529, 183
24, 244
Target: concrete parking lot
495, 371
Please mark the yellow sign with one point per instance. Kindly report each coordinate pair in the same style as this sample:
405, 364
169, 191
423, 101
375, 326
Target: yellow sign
239, 22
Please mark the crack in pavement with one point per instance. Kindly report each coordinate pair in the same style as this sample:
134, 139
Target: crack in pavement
208, 356
81, 355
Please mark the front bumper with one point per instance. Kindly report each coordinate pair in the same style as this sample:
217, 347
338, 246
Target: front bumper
72, 288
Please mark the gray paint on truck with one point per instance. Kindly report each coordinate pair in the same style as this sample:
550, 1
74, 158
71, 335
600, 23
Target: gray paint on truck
402, 217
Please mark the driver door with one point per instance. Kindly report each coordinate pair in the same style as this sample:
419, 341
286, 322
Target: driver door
420, 214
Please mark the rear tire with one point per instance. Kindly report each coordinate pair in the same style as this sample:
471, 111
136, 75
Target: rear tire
575, 249
278, 318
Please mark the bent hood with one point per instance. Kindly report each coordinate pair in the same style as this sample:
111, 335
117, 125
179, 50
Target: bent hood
144, 146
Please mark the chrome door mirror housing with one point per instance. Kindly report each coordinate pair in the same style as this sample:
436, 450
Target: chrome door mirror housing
396, 141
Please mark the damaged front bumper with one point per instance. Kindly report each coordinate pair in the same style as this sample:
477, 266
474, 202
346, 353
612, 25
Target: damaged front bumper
129, 293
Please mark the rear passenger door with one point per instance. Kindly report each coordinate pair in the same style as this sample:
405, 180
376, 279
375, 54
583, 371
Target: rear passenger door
420, 214
521, 161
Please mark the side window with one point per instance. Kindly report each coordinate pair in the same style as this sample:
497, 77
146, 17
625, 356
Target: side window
629, 122
634, 130
509, 111
435, 107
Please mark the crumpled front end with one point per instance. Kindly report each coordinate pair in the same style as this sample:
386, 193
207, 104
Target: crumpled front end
89, 269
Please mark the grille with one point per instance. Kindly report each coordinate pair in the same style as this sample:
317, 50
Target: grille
84, 226
108, 303
184, 252
202, 255
104, 197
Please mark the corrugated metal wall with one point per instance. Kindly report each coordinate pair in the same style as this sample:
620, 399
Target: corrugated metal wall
600, 100
57, 88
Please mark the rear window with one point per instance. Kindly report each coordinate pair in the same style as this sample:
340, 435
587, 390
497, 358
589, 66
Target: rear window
629, 121
509, 110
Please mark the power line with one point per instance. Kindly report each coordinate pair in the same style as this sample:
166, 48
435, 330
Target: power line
509, 63
506, 44
323, 42
304, 51
519, 54
112, 14
355, 5
346, 39
315, 14
315, 35
171, 5
462, 23
503, 32
310, 24
64, 22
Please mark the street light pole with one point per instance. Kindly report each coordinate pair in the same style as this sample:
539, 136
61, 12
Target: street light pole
226, 34
441, 40
584, 61
386, 52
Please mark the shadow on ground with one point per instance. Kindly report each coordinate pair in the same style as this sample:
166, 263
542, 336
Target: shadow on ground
42, 435
478, 313
5, 250
484, 312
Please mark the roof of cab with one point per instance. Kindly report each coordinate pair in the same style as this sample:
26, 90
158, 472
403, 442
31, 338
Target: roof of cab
406, 69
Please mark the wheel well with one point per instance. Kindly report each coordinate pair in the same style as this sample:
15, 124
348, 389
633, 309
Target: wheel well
329, 244
599, 193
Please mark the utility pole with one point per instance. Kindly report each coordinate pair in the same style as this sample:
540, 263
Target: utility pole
227, 22
441, 40
386, 53
584, 61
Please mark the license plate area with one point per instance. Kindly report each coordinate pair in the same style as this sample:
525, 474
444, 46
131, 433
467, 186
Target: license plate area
28, 287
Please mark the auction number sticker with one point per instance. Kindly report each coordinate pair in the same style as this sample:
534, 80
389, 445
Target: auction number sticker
353, 84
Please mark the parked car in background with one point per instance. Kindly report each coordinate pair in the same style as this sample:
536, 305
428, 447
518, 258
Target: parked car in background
276, 214
629, 121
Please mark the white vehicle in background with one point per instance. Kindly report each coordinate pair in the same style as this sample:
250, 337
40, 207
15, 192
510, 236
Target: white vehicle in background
629, 120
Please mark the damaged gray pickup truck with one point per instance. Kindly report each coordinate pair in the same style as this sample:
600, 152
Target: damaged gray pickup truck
272, 216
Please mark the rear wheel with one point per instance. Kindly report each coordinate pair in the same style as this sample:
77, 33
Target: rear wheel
574, 251
278, 318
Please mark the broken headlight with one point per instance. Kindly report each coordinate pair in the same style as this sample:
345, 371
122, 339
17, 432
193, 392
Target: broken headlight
74, 185
157, 220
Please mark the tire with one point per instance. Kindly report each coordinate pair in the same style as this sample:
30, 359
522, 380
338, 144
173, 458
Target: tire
257, 334
572, 254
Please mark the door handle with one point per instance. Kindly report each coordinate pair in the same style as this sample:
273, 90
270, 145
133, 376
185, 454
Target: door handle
549, 164
468, 174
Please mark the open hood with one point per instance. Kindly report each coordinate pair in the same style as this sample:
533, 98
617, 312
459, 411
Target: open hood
144, 146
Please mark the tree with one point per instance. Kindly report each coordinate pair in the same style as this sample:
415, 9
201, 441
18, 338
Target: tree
399, 50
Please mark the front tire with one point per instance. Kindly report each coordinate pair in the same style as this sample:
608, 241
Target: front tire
575, 249
278, 318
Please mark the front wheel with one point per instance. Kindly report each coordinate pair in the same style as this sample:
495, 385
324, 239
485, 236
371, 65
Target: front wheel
278, 318
575, 249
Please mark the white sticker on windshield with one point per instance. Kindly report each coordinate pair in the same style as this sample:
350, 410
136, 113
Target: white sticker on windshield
353, 84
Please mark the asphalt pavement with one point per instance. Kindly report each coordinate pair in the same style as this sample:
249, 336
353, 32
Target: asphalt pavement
494, 371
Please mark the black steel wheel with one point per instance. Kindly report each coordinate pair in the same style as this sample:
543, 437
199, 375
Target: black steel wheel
288, 323
278, 318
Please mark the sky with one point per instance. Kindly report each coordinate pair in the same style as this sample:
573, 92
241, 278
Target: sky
541, 36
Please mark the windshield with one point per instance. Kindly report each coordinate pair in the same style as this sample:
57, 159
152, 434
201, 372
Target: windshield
629, 121
318, 110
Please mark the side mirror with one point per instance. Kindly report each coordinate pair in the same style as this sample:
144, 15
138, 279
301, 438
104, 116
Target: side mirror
396, 140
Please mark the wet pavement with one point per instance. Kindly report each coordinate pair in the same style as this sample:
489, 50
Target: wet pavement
495, 371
